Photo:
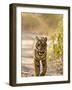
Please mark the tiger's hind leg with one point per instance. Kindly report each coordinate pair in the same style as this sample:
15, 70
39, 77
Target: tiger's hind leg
44, 68
37, 67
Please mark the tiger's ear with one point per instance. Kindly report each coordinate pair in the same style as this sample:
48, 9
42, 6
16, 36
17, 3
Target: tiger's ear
46, 39
37, 38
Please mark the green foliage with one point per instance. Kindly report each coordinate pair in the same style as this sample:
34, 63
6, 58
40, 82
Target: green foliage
58, 45
57, 42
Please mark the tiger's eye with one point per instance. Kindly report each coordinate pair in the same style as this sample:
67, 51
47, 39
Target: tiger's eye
39, 42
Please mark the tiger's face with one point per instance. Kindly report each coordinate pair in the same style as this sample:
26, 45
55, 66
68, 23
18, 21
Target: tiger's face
41, 43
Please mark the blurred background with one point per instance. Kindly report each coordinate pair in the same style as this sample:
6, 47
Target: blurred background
49, 25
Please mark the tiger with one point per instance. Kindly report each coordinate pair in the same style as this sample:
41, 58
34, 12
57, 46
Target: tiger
40, 56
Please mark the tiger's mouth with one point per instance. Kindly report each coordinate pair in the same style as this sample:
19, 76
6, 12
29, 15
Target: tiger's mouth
41, 53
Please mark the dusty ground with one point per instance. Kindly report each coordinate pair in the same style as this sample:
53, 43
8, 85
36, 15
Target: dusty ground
53, 68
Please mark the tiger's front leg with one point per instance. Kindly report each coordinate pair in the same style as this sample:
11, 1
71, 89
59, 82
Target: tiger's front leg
44, 68
37, 67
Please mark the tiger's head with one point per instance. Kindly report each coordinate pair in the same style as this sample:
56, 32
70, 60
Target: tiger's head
41, 43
